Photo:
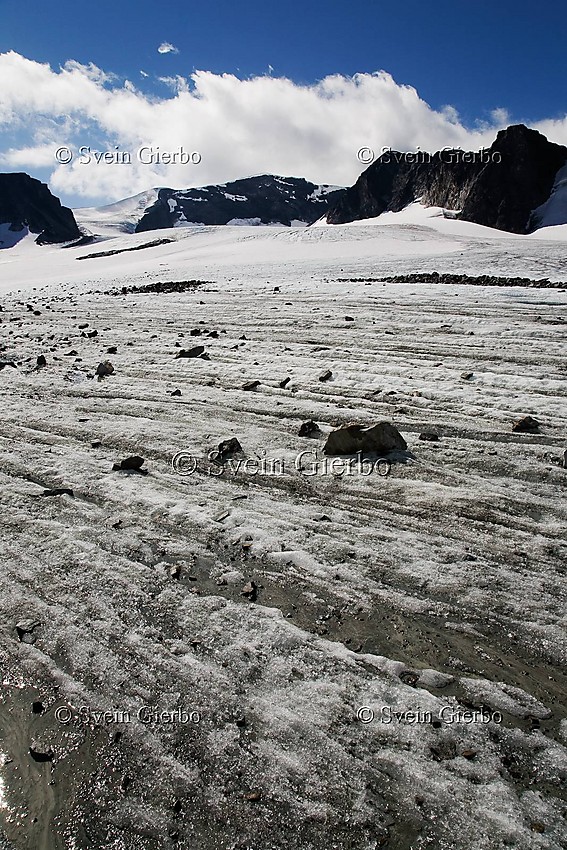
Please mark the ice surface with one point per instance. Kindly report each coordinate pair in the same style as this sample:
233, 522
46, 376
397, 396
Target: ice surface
120, 217
439, 585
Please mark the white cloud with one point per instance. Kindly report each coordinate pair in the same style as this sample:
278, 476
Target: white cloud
166, 47
40, 156
240, 127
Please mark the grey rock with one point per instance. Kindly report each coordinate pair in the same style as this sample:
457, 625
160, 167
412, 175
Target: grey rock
104, 369
134, 463
309, 429
196, 351
526, 425
380, 438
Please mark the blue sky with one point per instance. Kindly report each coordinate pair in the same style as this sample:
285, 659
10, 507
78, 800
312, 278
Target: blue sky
476, 57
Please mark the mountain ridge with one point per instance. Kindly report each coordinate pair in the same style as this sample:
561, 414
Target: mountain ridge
262, 199
27, 204
499, 187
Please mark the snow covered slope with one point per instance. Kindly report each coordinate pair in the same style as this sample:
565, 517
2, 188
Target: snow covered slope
554, 211
265, 199
120, 217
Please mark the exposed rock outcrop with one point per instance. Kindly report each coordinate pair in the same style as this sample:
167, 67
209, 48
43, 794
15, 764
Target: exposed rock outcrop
26, 202
254, 200
499, 187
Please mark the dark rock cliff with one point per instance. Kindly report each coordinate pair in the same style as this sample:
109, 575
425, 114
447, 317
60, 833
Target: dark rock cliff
266, 199
498, 187
25, 201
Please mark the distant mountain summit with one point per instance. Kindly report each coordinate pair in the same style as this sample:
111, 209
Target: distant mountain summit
266, 199
518, 184
27, 205
253, 200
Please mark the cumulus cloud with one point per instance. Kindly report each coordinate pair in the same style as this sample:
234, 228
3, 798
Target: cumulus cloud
166, 47
240, 127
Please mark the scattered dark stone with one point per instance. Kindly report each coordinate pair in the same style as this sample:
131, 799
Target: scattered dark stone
177, 807
25, 630
205, 356
250, 385
243, 336
196, 351
111, 350
58, 491
162, 287
326, 375
175, 572
72, 353
536, 826
349, 318
83, 326
214, 334
228, 447
444, 751
131, 464
240, 722
92, 334
429, 437
283, 384
254, 797
469, 754
41, 754
409, 677
380, 438
250, 590
96, 444
104, 369
37, 312
4, 363
276, 289
466, 376
323, 518
41, 361
176, 392
309, 429
526, 425
459, 280
195, 332
37, 707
